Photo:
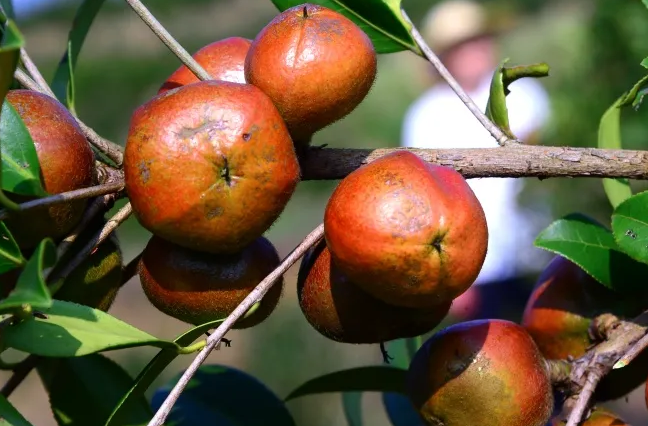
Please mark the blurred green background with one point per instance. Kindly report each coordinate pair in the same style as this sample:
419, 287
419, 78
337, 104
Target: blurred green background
593, 47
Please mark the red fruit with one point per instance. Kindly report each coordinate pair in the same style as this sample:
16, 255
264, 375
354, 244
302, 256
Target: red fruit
197, 287
315, 64
209, 166
59, 143
223, 60
341, 311
408, 232
484, 372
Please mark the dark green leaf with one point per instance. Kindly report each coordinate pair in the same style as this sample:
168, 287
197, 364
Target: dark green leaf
7, 6
224, 396
630, 226
12, 41
635, 95
590, 245
76, 330
382, 20
9, 416
84, 390
63, 81
609, 137
10, 255
31, 288
368, 379
400, 410
352, 406
154, 368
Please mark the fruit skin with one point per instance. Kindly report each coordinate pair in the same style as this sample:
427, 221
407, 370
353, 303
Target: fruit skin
59, 142
315, 64
559, 313
599, 417
209, 166
222, 59
341, 311
483, 372
408, 232
197, 287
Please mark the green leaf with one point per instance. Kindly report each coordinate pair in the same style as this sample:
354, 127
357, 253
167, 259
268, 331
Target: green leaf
382, 20
644, 63
400, 410
10, 255
224, 396
7, 6
63, 81
590, 245
496, 108
84, 390
399, 351
630, 226
368, 379
31, 288
609, 137
9, 416
12, 41
635, 95
352, 406
71, 330
155, 367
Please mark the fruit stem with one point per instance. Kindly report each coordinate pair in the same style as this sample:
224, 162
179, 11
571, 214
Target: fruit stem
192, 348
305, 12
173, 45
559, 371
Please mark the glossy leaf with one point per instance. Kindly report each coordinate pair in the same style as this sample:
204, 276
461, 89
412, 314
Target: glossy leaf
382, 20
224, 396
10, 255
63, 81
154, 368
69, 329
31, 288
84, 390
609, 137
352, 406
367, 379
400, 410
9, 416
630, 226
590, 245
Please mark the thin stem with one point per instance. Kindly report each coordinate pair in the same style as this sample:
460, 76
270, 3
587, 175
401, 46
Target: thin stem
35, 74
130, 270
260, 290
584, 398
632, 353
495, 131
77, 194
170, 42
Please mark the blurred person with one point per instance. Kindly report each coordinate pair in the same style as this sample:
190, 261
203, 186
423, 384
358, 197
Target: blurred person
463, 35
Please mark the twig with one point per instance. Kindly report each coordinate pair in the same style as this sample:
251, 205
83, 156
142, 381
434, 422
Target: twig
584, 398
259, 291
35, 74
110, 149
78, 194
20, 373
633, 353
495, 131
170, 42
516, 161
130, 270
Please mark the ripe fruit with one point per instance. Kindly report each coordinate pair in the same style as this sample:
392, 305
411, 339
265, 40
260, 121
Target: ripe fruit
59, 143
599, 417
315, 64
197, 287
560, 311
209, 166
222, 59
408, 232
484, 372
341, 311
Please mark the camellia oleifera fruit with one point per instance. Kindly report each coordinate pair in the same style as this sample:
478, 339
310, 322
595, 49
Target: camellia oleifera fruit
59, 142
341, 311
483, 372
223, 60
599, 417
210, 165
408, 232
315, 64
197, 287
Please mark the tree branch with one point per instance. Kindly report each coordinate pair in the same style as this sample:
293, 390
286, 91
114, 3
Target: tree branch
130, 270
259, 291
35, 74
513, 161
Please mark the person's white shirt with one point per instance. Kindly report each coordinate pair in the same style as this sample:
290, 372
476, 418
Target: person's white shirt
438, 119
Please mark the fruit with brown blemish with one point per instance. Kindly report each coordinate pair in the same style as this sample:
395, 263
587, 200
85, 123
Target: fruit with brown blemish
197, 287
315, 64
223, 60
341, 311
407, 232
210, 165
59, 142
598, 417
483, 372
